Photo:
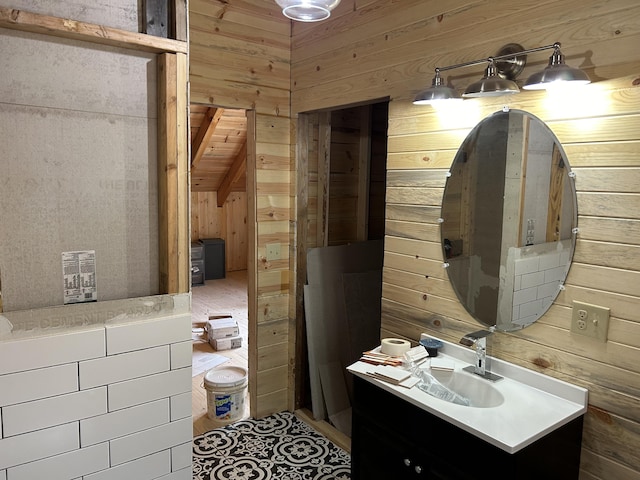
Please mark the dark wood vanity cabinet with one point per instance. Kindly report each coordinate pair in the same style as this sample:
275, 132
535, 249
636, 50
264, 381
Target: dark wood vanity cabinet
392, 440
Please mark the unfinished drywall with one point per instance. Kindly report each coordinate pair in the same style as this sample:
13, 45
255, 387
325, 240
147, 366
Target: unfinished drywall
78, 169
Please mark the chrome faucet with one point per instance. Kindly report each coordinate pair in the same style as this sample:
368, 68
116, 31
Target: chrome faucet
478, 340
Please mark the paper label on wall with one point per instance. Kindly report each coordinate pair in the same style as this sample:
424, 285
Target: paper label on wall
79, 276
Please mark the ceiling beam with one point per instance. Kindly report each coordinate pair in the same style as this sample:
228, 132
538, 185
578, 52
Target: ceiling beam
236, 170
207, 127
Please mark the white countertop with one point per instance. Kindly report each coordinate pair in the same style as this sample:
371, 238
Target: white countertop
534, 404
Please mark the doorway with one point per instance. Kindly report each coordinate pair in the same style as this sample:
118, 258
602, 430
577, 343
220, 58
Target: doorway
341, 200
219, 229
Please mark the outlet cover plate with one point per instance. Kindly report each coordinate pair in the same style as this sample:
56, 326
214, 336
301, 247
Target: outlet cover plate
590, 320
273, 252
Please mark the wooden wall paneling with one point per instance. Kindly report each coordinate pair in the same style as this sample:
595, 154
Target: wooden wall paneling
273, 191
236, 243
435, 38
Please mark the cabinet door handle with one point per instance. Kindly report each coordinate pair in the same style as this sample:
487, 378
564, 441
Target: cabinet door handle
407, 462
418, 469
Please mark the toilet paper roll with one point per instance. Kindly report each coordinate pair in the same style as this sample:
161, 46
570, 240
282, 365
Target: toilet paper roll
396, 347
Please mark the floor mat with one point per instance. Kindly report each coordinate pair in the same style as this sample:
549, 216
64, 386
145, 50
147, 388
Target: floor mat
280, 446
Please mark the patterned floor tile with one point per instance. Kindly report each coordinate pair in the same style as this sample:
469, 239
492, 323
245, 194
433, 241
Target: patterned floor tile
279, 446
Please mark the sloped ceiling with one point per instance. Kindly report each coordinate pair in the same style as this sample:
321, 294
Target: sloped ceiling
218, 150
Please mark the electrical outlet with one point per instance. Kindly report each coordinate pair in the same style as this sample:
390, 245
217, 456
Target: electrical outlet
273, 252
590, 320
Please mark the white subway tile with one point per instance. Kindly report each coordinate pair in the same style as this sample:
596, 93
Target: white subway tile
548, 289
68, 465
38, 414
532, 280
517, 282
555, 274
123, 422
184, 474
40, 444
125, 366
145, 468
181, 354
181, 406
531, 309
147, 389
59, 349
40, 383
137, 336
181, 456
549, 260
526, 265
156, 439
525, 295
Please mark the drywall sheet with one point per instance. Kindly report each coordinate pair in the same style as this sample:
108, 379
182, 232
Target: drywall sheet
340, 319
78, 169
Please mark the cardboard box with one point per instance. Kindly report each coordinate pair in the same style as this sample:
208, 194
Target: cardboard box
226, 343
222, 328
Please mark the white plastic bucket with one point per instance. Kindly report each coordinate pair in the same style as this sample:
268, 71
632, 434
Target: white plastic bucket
226, 391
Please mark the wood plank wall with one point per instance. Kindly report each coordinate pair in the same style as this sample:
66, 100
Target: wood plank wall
240, 58
228, 222
373, 48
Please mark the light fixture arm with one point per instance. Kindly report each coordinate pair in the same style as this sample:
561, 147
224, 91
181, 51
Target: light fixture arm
496, 58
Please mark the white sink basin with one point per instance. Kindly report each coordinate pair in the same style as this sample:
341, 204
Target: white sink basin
479, 393
510, 413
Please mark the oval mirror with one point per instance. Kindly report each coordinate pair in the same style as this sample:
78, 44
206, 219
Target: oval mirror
509, 211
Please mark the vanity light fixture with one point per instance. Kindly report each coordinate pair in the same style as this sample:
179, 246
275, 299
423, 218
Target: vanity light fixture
501, 72
307, 10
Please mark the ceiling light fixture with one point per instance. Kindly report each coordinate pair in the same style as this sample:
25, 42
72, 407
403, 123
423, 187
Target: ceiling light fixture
307, 10
501, 72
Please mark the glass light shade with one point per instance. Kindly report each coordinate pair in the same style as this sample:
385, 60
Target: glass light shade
555, 74
436, 93
307, 10
491, 85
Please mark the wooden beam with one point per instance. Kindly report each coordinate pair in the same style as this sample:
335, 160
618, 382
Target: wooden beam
252, 262
238, 167
324, 174
173, 184
156, 18
180, 20
301, 233
88, 32
364, 173
207, 127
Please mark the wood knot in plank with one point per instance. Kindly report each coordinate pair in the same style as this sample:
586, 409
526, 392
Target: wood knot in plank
70, 24
636, 82
541, 362
14, 15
